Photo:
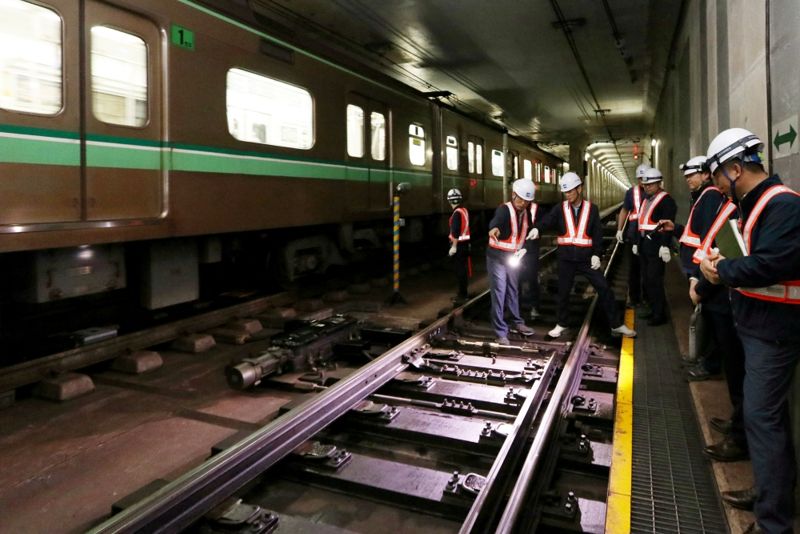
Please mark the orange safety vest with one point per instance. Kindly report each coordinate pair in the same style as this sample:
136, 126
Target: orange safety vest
514, 241
576, 237
464, 224
689, 238
785, 292
645, 222
723, 215
637, 204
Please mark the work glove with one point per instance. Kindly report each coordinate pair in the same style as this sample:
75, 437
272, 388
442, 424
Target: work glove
533, 234
635, 250
452, 251
620, 237
664, 254
595, 262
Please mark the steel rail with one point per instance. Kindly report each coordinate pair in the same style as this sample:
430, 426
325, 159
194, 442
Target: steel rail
32, 371
185, 500
567, 385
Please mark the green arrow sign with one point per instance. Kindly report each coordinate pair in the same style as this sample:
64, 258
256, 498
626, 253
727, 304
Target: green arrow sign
788, 137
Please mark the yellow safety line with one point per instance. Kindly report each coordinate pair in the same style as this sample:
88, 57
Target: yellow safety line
618, 512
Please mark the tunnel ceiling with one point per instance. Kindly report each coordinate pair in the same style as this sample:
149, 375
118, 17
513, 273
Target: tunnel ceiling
510, 60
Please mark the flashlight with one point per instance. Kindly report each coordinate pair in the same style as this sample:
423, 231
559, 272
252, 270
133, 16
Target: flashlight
516, 258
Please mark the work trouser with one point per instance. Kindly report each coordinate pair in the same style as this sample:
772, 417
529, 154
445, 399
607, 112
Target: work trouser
729, 347
653, 279
461, 268
769, 368
529, 278
504, 292
605, 298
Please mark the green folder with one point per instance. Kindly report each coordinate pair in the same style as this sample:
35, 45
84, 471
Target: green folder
729, 241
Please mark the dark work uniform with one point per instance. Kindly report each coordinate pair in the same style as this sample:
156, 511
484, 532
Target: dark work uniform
651, 264
705, 206
770, 334
461, 257
529, 279
574, 260
632, 238
503, 279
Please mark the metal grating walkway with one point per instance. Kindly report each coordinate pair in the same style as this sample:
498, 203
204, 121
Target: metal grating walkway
672, 485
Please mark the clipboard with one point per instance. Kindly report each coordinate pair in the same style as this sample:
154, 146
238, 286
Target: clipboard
729, 241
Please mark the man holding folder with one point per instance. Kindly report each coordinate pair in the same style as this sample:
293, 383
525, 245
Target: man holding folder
766, 306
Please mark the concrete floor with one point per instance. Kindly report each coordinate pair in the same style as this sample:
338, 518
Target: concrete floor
62, 466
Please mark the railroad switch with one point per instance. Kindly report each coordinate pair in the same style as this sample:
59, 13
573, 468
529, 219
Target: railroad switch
240, 518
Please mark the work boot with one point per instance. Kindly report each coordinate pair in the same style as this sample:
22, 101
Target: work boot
697, 373
624, 331
726, 450
525, 330
557, 331
742, 499
723, 426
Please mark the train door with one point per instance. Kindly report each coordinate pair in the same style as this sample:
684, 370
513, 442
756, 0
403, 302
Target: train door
124, 178
39, 113
367, 153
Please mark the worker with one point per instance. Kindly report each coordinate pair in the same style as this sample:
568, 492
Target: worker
629, 234
529, 277
653, 248
508, 231
766, 307
580, 244
459, 243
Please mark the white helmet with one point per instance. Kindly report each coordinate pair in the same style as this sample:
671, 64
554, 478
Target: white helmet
523, 188
570, 181
454, 196
652, 176
640, 170
734, 142
696, 164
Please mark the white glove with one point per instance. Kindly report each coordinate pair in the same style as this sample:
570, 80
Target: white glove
453, 249
533, 234
595, 262
620, 237
635, 250
664, 254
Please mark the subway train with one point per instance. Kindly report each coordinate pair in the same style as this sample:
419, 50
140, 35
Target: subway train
143, 139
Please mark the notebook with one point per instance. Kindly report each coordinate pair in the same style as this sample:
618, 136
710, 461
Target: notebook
729, 241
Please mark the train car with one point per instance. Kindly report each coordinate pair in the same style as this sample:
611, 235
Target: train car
145, 141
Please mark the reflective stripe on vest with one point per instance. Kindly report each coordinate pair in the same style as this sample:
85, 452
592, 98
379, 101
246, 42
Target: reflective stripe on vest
464, 236
645, 223
785, 292
514, 241
689, 238
572, 237
637, 203
722, 217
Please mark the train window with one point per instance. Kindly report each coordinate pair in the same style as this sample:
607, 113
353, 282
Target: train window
451, 153
538, 172
479, 159
30, 58
527, 169
547, 174
416, 144
268, 111
119, 77
378, 135
515, 165
355, 131
470, 156
497, 162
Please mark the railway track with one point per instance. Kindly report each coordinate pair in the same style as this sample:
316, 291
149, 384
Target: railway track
455, 431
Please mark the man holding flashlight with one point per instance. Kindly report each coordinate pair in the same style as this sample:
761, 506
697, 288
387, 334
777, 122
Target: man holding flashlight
507, 234
580, 244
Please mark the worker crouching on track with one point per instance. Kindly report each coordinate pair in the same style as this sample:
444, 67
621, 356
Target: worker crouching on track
459, 243
765, 278
580, 244
508, 230
653, 248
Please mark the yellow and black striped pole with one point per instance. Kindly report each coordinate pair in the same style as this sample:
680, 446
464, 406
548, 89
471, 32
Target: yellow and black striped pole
396, 296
